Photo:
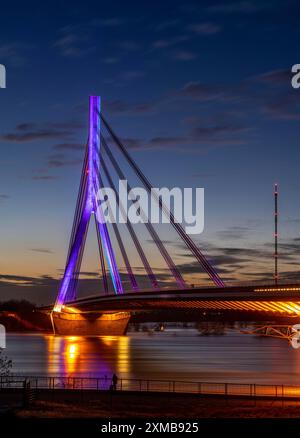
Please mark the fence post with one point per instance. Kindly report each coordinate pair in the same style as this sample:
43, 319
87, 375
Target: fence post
226, 389
147, 385
173, 385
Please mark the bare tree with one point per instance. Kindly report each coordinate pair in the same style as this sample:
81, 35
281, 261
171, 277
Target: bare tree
5, 364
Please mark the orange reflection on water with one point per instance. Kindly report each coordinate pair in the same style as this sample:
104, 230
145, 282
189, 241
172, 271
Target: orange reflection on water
97, 356
123, 355
71, 354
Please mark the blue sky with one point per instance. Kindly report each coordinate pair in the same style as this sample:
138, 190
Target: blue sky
200, 93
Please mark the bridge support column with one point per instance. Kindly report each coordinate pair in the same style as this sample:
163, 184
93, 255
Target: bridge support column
90, 323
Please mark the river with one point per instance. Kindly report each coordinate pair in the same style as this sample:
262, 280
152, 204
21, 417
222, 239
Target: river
174, 354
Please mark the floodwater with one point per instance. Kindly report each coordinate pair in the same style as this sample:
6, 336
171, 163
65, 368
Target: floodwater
174, 354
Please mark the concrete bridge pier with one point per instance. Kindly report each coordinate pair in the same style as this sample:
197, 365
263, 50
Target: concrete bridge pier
89, 323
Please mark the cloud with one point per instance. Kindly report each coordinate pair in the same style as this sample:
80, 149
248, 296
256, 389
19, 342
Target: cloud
245, 7
43, 289
283, 107
42, 250
203, 175
269, 92
73, 41
33, 136
163, 142
153, 143
25, 132
121, 106
3, 197
215, 131
205, 28
93, 274
132, 143
111, 60
272, 92
293, 220
68, 45
274, 77
199, 91
13, 53
25, 126
25, 280
167, 24
233, 263
268, 275
44, 177
184, 55
244, 262
233, 233
132, 75
69, 146
165, 43
124, 77
129, 45
289, 247
191, 91
238, 253
59, 160
108, 22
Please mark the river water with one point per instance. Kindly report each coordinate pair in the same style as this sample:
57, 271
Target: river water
174, 354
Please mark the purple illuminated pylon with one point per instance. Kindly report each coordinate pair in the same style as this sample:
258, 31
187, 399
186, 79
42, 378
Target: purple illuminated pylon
86, 205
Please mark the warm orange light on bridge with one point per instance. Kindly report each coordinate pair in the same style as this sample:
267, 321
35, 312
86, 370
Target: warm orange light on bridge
289, 308
71, 309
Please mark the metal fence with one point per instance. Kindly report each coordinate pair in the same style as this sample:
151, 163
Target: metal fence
171, 386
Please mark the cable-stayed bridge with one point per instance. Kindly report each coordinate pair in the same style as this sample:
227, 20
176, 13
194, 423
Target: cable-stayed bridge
110, 313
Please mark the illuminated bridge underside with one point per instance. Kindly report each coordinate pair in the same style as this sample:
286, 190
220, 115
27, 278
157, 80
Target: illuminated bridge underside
281, 301
289, 308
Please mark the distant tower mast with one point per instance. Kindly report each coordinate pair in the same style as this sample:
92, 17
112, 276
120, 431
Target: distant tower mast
276, 233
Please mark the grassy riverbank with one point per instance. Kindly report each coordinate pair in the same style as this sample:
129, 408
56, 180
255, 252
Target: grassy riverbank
61, 404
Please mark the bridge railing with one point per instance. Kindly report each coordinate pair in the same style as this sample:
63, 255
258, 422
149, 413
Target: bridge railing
144, 385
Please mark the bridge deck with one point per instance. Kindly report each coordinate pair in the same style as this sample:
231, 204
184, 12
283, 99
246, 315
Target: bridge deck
284, 299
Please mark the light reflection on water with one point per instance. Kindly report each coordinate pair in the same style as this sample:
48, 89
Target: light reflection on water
77, 355
172, 355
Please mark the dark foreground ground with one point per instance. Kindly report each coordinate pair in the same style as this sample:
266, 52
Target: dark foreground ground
86, 404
